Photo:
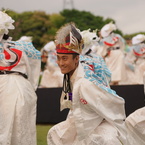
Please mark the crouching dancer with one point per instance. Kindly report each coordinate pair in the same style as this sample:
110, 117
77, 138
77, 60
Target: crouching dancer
96, 115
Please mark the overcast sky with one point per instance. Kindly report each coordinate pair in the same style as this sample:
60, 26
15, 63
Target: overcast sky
128, 14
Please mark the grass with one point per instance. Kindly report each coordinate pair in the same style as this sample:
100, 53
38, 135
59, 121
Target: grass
42, 131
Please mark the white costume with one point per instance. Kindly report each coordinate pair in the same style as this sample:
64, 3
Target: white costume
19, 74
90, 60
92, 119
135, 60
97, 113
135, 123
113, 51
51, 76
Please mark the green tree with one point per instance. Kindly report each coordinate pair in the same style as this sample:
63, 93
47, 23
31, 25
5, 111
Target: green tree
42, 27
85, 20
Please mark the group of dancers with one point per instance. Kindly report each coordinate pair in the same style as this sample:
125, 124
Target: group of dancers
97, 113
124, 60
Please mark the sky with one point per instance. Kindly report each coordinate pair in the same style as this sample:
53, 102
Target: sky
129, 15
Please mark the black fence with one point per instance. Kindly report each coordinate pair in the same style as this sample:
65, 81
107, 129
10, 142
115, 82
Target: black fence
48, 103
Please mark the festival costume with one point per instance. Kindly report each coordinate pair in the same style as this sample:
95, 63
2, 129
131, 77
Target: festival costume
135, 60
135, 123
93, 63
51, 75
113, 52
91, 120
19, 74
97, 68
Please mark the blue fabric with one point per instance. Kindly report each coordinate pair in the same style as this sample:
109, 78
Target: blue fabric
100, 74
28, 48
140, 49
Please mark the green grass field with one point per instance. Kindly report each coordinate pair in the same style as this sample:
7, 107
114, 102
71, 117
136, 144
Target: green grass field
42, 131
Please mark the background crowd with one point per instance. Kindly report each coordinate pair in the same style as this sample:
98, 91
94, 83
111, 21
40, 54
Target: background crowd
116, 61
124, 58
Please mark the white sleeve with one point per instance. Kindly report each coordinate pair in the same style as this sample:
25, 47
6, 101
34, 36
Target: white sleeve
108, 106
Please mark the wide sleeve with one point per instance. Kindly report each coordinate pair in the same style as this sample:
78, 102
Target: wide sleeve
107, 105
34, 58
135, 123
33, 62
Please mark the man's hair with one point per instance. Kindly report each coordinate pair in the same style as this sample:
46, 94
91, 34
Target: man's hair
75, 55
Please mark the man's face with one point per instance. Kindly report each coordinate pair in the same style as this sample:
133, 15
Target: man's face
67, 63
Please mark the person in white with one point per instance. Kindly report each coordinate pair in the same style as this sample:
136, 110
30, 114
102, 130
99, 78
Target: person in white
19, 74
113, 53
91, 60
96, 115
135, 123
51, 76
135, 60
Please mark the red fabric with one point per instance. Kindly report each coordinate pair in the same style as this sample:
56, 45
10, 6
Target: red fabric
7, 56
137, 54
91, 67
109, 44
60, 48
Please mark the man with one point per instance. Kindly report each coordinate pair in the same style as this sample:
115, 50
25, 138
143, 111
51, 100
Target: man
96, 116
135, 60
113, 53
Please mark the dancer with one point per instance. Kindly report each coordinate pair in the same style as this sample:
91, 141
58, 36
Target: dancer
19, 74
92, 119
113, 53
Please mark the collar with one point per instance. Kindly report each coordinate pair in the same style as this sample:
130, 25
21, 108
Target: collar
78, 73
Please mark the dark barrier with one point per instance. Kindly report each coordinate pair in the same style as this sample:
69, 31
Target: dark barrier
133, 95
48, 103
48, 106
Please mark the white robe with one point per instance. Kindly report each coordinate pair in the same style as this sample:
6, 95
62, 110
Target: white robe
17, 95
96, 116
135, 123
134, 76
115, 59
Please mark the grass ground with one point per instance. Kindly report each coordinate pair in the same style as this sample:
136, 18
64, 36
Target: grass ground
42, 131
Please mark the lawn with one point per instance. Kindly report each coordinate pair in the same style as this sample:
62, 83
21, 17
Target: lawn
42, 131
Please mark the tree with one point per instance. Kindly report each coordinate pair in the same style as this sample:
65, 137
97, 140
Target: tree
42, 27
85, 20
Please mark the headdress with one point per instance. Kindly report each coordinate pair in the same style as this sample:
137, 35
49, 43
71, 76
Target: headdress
5, 23
138, 39
107, 29
50, 46
69, 39
90, 39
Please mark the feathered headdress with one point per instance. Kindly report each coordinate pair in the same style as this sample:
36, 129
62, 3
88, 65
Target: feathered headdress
107, 29
138, 39
5, 23
69, 39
